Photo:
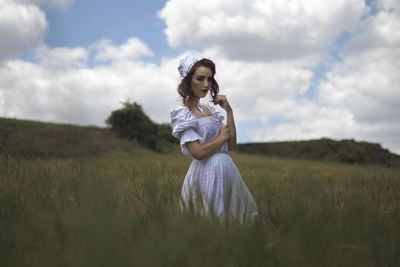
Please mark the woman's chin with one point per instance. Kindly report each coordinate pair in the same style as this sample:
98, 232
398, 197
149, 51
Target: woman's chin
202, 95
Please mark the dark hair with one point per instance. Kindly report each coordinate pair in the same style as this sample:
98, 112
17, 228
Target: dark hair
185, 87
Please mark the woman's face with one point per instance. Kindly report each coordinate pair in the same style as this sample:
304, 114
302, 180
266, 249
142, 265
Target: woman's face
201, 81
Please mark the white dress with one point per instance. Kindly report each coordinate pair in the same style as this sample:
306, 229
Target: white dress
213, 186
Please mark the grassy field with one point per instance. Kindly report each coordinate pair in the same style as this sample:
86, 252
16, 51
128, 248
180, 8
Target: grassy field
32, 139
119, 210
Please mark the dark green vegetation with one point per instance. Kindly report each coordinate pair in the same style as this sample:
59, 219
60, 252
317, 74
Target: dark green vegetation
348, 151
31, 139
83, 197
132, 123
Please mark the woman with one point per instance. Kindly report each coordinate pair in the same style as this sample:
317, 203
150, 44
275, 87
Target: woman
213, 186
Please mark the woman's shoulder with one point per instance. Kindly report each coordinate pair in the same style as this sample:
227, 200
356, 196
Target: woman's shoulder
179, 111
181, 120
181, 114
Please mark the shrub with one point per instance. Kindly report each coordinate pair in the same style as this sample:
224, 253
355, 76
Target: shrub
132, 123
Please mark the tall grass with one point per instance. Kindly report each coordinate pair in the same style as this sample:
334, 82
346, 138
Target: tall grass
109, 211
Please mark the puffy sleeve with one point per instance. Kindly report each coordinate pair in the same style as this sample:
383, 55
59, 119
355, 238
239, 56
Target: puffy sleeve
184, 127
217, 113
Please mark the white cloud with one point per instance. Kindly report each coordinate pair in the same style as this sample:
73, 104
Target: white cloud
22, 28
360, 97
261, 90
132, 49
308, 120
382, 30
389, 4
61, 88
259, 30
62, 57
368, 84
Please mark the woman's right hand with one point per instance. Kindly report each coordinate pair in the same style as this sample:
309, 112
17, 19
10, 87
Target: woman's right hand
224, 132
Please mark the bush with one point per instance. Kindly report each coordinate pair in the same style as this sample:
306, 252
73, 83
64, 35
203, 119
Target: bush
131, 122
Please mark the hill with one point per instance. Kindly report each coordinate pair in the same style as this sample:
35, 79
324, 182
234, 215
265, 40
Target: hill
32, 139
348, 151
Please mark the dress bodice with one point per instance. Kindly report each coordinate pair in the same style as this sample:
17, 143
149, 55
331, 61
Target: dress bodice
187, 127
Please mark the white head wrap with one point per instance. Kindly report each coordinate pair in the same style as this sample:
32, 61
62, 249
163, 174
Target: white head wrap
187, 63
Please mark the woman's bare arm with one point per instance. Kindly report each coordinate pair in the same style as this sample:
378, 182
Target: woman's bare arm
223, 102
232, 129
202, 151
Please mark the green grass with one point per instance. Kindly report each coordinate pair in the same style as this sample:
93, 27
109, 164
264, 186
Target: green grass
123, 211
34, 139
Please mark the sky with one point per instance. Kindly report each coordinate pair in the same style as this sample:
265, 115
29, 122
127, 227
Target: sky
292, 70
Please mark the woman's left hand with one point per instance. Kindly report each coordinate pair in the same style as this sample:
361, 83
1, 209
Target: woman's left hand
222, 102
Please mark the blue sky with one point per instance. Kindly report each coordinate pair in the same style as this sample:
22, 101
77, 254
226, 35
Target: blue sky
292, 70
87, 21
84, 22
